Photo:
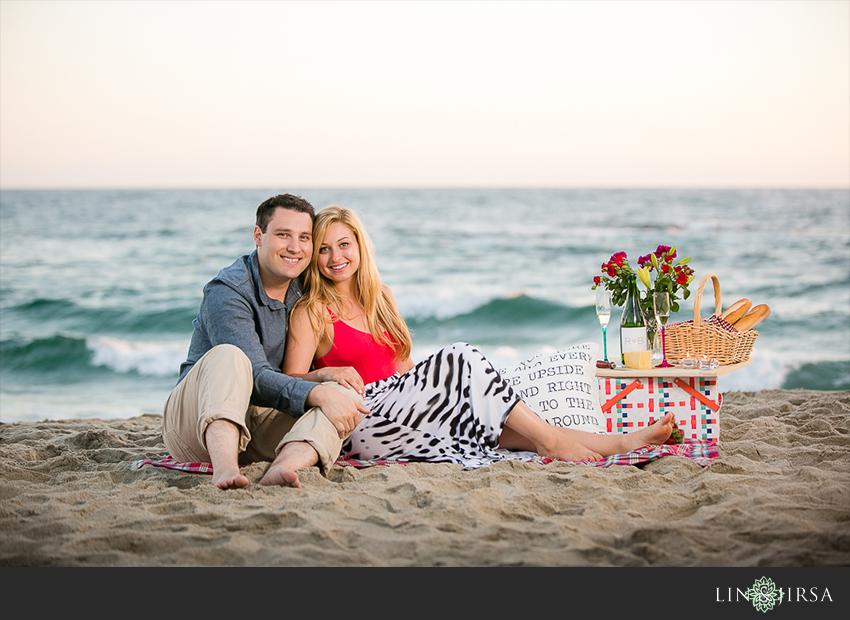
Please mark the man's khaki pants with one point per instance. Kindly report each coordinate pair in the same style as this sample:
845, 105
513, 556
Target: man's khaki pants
218, 387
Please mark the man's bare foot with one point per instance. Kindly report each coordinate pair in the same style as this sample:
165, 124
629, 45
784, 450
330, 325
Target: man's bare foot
281, 476
229, 480
658, 433
292, 457
222, 438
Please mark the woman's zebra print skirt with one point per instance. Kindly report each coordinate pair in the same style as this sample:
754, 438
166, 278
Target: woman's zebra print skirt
449, 408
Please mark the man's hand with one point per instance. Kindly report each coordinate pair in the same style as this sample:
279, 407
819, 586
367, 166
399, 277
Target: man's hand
344, 411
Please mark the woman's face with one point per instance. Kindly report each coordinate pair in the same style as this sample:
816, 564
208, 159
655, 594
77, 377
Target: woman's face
339, 254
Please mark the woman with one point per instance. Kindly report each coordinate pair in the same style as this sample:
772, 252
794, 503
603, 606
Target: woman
451, 407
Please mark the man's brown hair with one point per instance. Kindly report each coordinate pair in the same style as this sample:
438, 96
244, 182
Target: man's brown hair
266, 210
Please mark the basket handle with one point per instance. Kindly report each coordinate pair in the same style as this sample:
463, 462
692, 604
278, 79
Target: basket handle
698, 298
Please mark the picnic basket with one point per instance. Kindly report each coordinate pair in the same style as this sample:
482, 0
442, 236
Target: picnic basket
713, 338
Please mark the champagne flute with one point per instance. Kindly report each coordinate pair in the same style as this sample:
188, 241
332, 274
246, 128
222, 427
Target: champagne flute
661, 305
603, 313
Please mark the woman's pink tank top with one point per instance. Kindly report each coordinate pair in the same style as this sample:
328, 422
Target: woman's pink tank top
352, 347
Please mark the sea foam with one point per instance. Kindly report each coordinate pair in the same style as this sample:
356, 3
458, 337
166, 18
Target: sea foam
145, 358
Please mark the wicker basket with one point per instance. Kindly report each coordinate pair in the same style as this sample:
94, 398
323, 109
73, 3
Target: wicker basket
697, 338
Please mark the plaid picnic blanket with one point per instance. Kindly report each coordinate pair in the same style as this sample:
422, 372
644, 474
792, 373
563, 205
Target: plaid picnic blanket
700, 451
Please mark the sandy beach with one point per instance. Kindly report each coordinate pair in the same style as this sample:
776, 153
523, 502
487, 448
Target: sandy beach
779, 496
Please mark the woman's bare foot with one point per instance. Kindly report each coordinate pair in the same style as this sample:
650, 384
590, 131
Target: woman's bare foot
229, 480
280, 476
567, 449
658, 433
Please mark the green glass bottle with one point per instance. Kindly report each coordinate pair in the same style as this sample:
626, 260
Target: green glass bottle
632, 324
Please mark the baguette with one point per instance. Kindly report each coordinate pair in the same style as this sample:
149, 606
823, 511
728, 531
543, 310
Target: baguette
752, 318
736, 310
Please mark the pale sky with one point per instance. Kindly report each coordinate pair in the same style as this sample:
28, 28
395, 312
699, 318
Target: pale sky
160, 94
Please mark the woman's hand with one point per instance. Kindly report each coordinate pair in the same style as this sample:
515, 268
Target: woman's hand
346, 376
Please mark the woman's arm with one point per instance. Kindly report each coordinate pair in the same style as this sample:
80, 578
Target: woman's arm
301, 348
407, 364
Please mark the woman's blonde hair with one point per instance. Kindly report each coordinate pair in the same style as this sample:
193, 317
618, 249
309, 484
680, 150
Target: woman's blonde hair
319, 292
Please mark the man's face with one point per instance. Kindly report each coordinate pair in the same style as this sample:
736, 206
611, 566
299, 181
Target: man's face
284, 250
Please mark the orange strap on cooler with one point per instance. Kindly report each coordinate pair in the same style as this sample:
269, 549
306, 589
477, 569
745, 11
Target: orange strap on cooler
634, 385
700, 397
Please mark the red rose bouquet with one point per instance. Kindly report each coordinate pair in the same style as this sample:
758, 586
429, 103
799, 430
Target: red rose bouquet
659, 271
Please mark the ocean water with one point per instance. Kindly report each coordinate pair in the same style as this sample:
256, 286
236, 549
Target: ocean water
98, 289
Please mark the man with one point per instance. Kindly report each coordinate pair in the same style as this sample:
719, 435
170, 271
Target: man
232, 404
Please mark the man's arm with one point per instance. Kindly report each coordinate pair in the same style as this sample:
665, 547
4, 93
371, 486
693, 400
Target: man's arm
228, 318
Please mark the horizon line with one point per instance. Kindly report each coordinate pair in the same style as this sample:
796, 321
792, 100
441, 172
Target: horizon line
130, 187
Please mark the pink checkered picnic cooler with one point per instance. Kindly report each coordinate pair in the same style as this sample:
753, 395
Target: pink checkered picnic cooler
631, 401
